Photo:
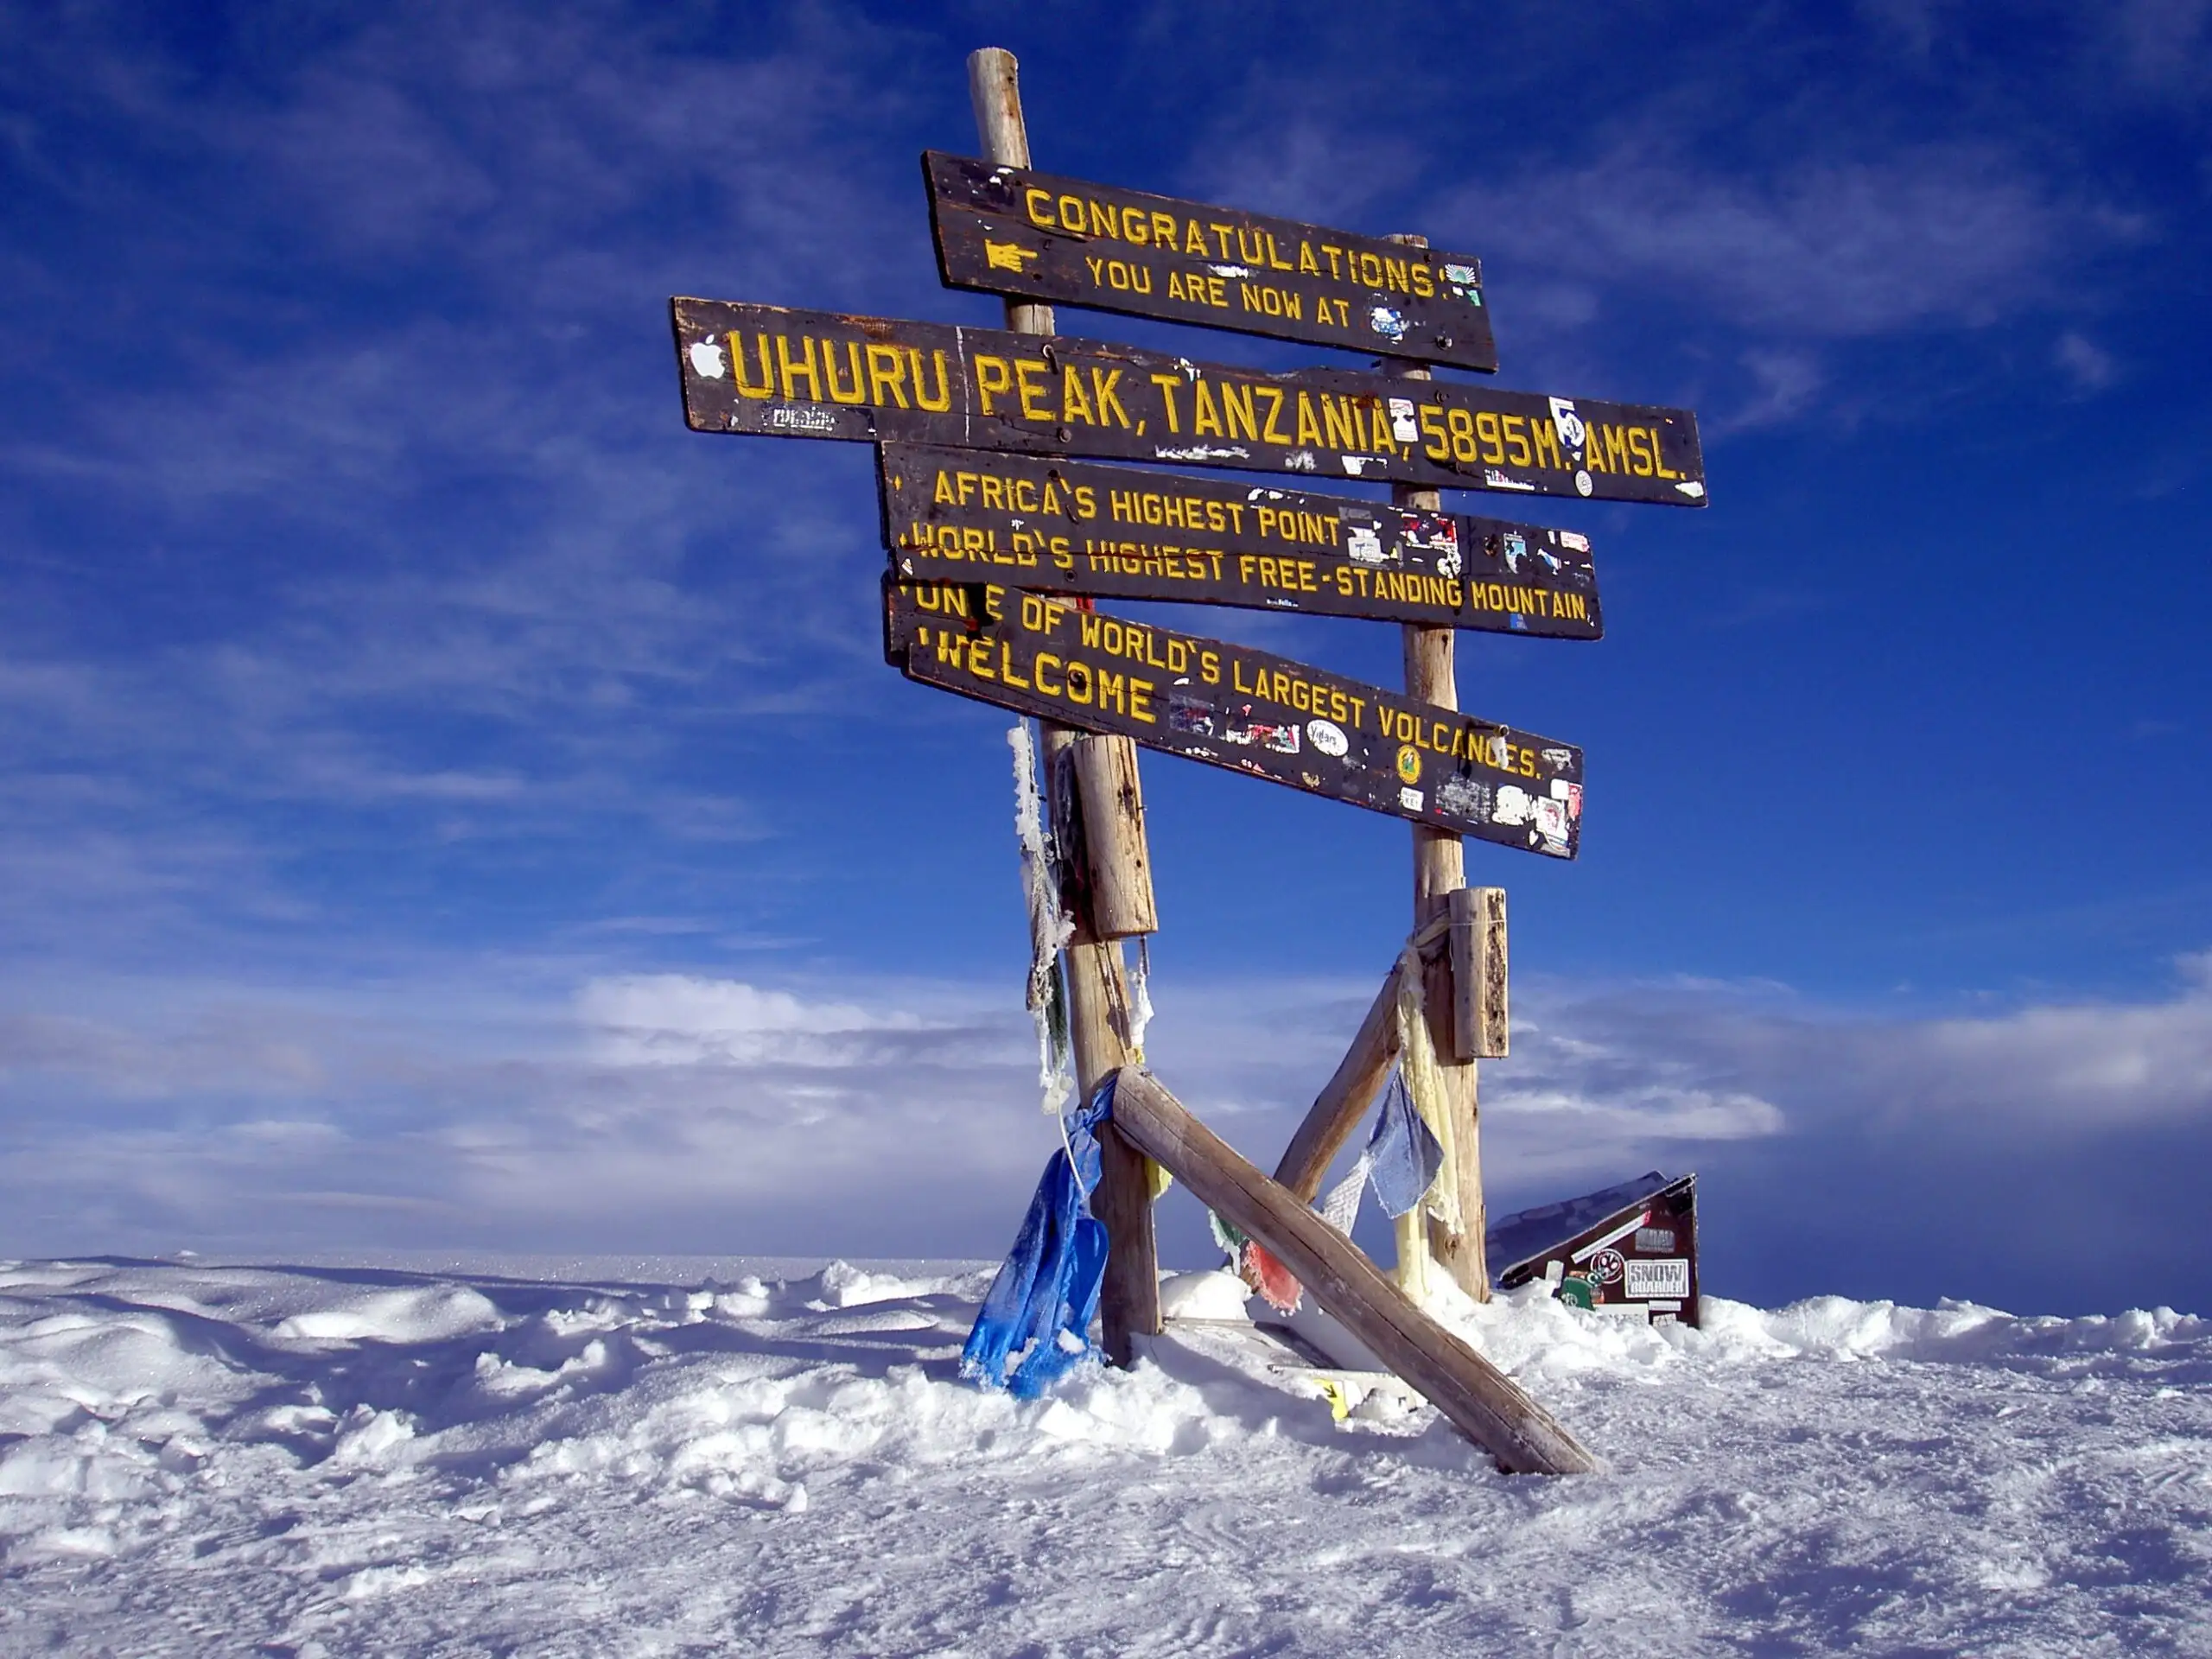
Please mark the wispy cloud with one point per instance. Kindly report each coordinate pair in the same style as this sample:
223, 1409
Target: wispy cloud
2087, 365
1824, 249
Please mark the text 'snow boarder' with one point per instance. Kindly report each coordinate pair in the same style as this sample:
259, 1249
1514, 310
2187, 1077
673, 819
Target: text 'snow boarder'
765, 370
1246, 710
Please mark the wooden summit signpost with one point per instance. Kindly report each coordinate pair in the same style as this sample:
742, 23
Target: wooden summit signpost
1000, 535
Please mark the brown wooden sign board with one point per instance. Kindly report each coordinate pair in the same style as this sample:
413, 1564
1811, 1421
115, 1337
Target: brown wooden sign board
1005, 230
1247, 710
761, 369
1071, 527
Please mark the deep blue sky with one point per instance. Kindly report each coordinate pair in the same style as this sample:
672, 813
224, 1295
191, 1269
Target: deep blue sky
447, 802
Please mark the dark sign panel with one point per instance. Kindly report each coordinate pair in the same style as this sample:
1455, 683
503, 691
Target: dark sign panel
1067, 527
1629, 1249
1247, 710
816, 374
1005, 230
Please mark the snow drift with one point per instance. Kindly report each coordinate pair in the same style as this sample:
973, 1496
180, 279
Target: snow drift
307, 1460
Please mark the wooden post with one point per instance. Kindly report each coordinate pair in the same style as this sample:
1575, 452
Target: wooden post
1117, 864
1110, 800
1438, 868
1482, 1402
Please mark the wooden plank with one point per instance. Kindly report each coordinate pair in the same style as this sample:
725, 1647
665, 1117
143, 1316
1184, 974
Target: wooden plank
1097, 985
1247, 710
767, 371
1117, 532
1344, 1099
1008, 230
1481, 1402
1481, 1030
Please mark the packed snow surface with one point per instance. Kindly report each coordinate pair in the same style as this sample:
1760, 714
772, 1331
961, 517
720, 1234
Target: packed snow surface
198, 1458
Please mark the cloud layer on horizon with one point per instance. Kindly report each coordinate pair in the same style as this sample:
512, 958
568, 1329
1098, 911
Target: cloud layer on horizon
683, 1113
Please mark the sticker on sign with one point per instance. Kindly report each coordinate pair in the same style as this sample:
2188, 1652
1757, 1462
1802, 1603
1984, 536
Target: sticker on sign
1666, 1276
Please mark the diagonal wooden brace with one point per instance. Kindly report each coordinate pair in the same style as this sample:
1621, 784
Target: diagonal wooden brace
1480, 1400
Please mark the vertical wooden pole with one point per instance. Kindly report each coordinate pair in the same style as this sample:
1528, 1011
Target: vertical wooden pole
1098, 989
1440, 866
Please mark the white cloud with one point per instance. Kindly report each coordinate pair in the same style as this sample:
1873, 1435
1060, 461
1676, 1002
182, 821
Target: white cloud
2089, 366
684, 1019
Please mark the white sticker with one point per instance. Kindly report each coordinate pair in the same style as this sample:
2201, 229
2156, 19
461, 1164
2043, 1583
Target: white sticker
1459, 273
1575, 539
707, 360
1692, 488
1667, 1276
802, 417
1499, 480
1363, 544
1391, 325
1411, 799
1658, 1240
1551, 819
1582, 484
1512, 805
1403, 427
1571, 429
1626, 1310
1328, 737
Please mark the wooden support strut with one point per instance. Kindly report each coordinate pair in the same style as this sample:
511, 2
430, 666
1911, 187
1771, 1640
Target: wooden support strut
1117, 881
1344, 1099
1440, 867
1481, 1402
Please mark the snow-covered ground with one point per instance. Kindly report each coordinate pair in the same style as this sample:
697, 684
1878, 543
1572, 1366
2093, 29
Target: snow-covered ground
686, 1458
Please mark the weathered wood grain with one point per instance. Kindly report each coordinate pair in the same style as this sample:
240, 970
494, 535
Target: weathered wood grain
1481, 1027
